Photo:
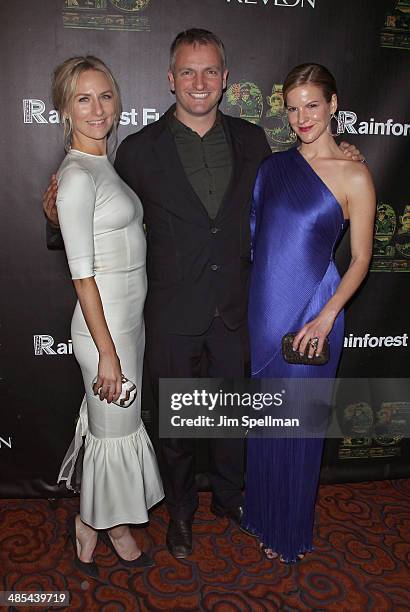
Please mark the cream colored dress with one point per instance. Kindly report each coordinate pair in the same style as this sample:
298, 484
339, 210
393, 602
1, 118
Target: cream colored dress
101, 224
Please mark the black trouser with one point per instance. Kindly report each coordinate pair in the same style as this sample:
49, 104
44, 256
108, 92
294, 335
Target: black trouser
175, 356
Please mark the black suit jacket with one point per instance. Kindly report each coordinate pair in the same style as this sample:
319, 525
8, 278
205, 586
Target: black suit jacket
194, 264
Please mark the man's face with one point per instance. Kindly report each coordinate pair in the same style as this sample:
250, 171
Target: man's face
198, 79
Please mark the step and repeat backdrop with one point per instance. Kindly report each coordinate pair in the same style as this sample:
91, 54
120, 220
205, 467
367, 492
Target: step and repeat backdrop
366, 44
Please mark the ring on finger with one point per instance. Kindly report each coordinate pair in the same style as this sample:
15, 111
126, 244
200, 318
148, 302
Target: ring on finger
314, 342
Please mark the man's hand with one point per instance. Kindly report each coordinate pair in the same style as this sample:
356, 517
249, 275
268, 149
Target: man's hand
351, 151
49, 202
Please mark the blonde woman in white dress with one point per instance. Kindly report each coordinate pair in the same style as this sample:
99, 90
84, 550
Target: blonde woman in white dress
101, 224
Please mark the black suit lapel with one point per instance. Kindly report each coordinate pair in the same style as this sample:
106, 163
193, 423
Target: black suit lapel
236, 183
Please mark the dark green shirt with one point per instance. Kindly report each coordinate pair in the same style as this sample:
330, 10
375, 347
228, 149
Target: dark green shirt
207, 161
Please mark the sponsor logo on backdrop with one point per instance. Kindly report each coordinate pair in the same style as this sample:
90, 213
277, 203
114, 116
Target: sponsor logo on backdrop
35, 111
369, 341
395, 33
347, 123
106, 15
5, 442
374, 433
46, 345
284, 3
245, 99
391, 245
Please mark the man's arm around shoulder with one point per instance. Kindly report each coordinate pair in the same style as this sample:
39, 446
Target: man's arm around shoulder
54, 238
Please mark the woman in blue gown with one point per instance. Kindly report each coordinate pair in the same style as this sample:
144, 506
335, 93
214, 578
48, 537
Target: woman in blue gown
304, 199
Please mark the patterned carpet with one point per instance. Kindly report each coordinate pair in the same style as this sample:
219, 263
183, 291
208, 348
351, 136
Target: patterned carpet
360, 563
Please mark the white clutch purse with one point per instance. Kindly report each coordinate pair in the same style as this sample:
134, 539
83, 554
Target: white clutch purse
128, 392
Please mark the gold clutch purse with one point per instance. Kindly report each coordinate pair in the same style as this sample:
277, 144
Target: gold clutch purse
296, 358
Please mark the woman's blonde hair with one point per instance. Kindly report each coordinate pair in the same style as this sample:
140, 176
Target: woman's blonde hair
64, 85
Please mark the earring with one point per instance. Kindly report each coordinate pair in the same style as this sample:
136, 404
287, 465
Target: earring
333, 116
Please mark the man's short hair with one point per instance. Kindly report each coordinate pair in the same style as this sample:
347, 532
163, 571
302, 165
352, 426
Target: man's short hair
196, 36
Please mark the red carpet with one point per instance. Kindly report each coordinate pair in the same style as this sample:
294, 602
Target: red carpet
360, 563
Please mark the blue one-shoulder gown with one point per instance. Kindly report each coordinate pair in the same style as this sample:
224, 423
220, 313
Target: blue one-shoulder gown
296, 224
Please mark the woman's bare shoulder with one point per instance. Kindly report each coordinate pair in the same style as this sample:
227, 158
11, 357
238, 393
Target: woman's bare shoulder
356, 172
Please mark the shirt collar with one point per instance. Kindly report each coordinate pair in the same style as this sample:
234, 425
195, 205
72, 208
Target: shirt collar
177, 127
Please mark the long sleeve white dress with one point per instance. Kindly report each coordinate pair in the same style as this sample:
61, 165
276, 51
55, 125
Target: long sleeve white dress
101, 224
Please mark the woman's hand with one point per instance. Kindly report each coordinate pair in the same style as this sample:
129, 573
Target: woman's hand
109, 379
319, 328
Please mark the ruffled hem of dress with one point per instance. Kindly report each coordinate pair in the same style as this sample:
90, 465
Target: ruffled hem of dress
120, 477
120, 480
70, 459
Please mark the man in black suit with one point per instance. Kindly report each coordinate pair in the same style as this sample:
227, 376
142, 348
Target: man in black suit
194, 170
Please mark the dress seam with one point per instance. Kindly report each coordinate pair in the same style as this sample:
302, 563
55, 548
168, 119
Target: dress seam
137, 431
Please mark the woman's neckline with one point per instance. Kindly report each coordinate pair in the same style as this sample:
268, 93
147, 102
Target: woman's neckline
88, 154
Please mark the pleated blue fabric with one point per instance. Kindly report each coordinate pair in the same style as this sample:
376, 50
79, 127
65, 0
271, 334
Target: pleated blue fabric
296, 225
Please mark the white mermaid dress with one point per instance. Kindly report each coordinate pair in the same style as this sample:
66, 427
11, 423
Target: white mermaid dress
101, 224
